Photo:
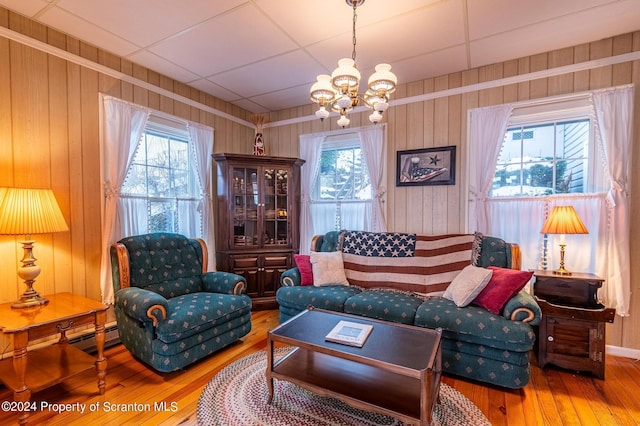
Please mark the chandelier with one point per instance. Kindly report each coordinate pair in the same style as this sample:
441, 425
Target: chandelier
339, 91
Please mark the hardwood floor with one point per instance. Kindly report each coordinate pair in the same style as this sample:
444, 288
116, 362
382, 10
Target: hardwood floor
554, 397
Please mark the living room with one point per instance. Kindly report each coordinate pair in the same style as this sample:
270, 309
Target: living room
51, 139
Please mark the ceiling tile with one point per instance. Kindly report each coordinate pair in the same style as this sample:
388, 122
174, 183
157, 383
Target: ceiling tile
144, 22
431, 65
488, 17
158, 64
214, 90
286, 98
556, 33
225, 43
274, 74
25, 7
77, 27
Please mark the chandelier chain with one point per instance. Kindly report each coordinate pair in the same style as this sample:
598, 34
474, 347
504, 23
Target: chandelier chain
355, 18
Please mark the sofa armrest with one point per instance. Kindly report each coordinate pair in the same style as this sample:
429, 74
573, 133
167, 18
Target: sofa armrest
523, 307
291, 278
224, 282
142, 305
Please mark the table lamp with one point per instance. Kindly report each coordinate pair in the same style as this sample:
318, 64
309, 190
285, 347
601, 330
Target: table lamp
26, 212
563, 220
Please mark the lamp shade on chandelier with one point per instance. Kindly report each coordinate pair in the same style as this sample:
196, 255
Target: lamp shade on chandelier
338, 92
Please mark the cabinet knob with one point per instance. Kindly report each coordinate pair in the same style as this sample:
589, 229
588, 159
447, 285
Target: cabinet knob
550, 338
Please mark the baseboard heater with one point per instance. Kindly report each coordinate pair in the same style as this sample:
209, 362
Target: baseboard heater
87, 341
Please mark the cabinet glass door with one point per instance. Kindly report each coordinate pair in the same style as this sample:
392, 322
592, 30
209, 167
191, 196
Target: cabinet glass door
275, 207
246, 199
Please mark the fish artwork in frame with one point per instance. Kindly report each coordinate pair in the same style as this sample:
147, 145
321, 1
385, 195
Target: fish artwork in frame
426, 166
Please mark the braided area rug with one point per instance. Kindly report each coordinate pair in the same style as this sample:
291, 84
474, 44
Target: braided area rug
237, 396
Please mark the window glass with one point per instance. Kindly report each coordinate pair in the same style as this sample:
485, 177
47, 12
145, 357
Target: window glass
343, 175
545, 159
162, 173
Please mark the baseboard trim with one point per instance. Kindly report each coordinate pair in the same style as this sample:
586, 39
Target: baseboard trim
623, 352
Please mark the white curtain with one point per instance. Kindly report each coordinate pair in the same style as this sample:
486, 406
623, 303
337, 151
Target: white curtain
486, 133
310, 151
520, 220
202, 149
374, 150
134, 211
122, 126
605, 250
614, 115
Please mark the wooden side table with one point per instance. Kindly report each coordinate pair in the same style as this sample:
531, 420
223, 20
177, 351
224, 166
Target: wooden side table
572, 332
55, 363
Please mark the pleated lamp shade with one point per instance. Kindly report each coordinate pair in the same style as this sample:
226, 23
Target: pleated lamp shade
563, 220
29, 211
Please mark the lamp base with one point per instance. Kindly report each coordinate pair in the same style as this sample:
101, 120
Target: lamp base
30, 299
561, 271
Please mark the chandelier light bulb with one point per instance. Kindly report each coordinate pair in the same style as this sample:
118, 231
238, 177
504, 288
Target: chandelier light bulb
322, 91
346, 76
343, 121
322, 113
383, 81
344, 102
375, 117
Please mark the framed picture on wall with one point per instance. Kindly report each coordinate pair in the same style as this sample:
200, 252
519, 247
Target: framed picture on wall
426, 166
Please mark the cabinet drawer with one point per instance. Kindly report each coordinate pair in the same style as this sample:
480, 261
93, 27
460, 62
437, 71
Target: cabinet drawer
244, 262
579, 290
276, 261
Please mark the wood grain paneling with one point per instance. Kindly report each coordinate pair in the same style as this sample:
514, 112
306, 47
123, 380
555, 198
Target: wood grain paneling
49, 136
443, 121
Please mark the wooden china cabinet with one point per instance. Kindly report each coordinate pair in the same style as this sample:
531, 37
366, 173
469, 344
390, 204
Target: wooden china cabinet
257, 231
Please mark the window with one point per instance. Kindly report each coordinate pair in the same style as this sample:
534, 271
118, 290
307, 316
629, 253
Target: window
162, 177
343, 175
341, 196
554, 157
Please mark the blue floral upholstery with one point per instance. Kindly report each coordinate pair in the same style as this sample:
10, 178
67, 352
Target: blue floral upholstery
170, 313
382, 304
294, 300
476, 343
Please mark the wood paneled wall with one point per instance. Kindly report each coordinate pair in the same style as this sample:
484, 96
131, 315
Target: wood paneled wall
49, 137
443, 121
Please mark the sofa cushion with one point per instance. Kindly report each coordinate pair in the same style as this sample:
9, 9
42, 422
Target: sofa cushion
474, 325
503, 285
303, 262
196, 313
328, 268
389, 305
467, 285
330, 297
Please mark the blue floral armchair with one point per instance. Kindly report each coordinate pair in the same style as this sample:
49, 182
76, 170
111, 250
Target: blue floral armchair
170, 312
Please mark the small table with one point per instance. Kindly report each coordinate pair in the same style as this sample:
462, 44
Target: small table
396, 372
55, 363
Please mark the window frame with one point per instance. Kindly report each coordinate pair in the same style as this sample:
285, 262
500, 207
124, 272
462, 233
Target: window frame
172, 130
561, 111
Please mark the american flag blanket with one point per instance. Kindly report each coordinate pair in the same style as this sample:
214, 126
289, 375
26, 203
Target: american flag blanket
417, 263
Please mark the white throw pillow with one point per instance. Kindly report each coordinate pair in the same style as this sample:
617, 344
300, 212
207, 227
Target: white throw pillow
467, 285
328, 268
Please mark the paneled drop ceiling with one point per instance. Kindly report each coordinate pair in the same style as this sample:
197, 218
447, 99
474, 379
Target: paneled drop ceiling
263, 55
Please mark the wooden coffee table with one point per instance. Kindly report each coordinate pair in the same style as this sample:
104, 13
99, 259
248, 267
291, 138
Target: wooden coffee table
396, 372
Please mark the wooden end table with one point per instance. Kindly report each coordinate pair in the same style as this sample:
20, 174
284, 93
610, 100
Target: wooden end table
396, 372
55, 363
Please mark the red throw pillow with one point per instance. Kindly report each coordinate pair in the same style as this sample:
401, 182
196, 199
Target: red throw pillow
303, 262
504, 284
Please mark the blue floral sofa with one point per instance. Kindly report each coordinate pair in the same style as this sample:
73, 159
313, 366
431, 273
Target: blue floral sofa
170, 312
477, 344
